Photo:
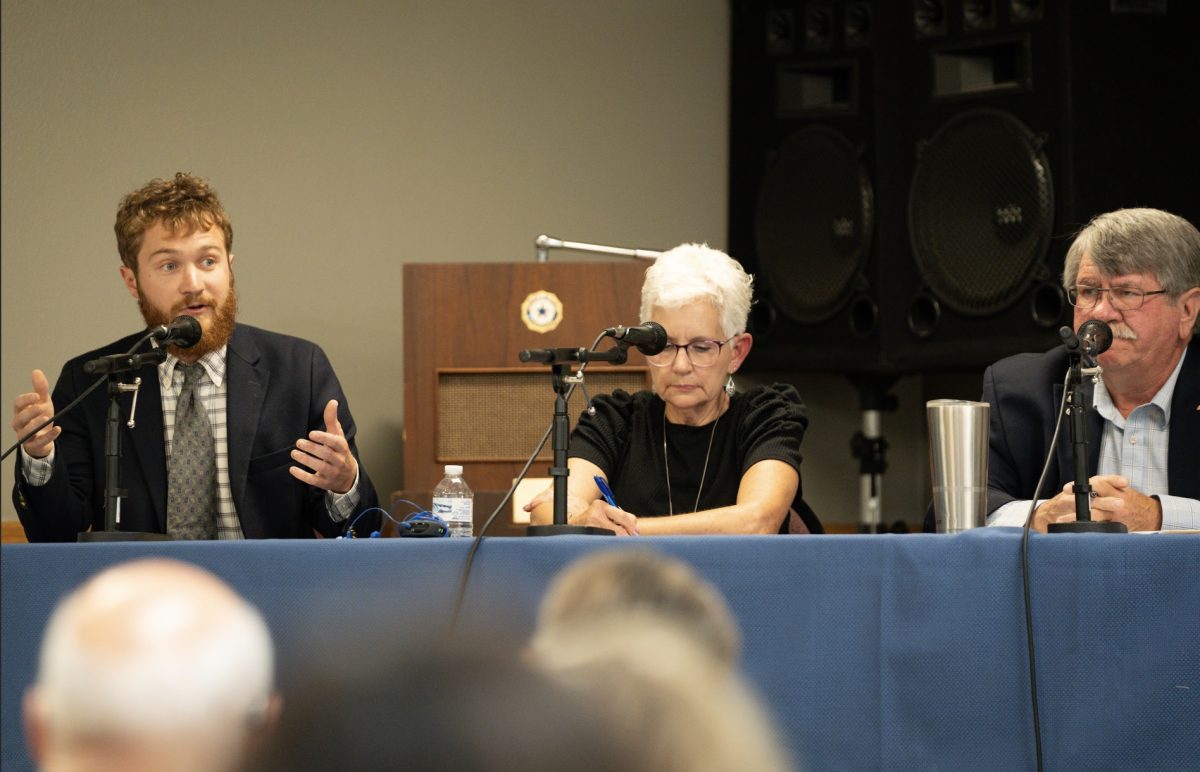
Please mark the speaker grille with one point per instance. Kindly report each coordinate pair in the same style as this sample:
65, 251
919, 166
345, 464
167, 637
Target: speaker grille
813, 223
981, 211
502, 415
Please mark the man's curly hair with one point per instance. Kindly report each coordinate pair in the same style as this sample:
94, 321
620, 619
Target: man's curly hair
184, 205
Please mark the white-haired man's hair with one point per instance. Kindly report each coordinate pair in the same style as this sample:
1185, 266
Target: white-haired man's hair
150, 651
694, 272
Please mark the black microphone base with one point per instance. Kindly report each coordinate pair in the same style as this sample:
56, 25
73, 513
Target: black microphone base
1088, 526
102, 536
567, 530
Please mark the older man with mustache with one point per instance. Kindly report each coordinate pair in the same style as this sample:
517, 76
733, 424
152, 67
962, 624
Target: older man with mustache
1138, 270
246, 434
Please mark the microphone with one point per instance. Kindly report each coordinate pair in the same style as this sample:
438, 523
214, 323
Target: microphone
649, 337
183, 331
1095, 336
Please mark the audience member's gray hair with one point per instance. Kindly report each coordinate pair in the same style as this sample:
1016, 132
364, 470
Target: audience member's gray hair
631, 582
682, 710
1139, 241
692, 272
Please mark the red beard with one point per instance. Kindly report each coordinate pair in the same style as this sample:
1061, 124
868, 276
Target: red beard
215, 335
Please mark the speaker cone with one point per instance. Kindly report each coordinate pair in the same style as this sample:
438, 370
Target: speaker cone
813, 224
981, 211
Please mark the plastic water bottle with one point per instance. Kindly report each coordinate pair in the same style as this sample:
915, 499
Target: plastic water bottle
454, 502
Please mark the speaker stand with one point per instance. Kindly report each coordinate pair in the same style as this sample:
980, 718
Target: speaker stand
870, 447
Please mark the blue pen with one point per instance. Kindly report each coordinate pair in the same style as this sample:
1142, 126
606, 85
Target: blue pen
606, 491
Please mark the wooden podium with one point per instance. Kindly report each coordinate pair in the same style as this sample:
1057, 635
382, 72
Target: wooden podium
468, 399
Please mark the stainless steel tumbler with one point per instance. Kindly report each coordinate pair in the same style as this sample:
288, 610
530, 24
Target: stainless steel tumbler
958, 456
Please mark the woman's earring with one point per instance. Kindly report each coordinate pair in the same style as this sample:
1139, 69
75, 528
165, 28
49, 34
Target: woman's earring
730, 388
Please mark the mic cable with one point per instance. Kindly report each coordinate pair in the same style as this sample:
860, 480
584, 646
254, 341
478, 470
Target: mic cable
1033, 694
475, 544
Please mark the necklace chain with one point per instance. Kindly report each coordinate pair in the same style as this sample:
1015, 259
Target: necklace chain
703, 473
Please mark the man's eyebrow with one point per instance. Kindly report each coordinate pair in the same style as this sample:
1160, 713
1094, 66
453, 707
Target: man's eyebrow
173, 251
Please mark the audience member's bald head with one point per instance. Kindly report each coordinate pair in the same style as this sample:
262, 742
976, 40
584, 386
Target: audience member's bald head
151, 664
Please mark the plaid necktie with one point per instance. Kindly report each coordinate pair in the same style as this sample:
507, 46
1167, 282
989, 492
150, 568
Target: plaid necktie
192, 470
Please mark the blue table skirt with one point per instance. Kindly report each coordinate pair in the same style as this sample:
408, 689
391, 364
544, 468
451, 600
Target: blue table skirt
874, 652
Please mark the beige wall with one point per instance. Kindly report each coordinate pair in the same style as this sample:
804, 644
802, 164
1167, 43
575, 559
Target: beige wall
347, 138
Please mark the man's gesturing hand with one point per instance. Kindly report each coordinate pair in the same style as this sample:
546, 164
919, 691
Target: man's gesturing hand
29, 411
327, 454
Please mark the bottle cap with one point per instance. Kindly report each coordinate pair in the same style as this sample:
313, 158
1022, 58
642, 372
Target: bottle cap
453, 469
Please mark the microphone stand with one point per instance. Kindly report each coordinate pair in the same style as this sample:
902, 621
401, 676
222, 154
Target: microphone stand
560, 360
1078, 429
113, 492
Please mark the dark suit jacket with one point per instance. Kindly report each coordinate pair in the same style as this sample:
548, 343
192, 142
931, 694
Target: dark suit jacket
277, 388
1025, 391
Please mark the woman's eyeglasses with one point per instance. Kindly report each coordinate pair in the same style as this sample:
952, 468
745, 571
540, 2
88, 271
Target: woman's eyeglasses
701, 353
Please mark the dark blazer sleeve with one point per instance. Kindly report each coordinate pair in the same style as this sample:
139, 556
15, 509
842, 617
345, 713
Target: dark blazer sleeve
1184, 447
1026, 392
73, 499
1020, 390
1003, 473
278, 389
65, 505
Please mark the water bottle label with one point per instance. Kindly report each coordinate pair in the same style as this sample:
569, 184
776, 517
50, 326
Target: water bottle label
456, 510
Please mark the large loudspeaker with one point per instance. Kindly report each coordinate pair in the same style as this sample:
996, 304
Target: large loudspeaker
804, 169
906, 175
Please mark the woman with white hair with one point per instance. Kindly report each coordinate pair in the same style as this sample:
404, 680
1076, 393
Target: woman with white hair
693, 455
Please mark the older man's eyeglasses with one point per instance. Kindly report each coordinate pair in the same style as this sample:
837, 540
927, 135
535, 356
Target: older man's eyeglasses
1121, 298
701, 353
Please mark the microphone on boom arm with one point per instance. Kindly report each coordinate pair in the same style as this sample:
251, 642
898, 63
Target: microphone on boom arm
650, 338
183, 331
